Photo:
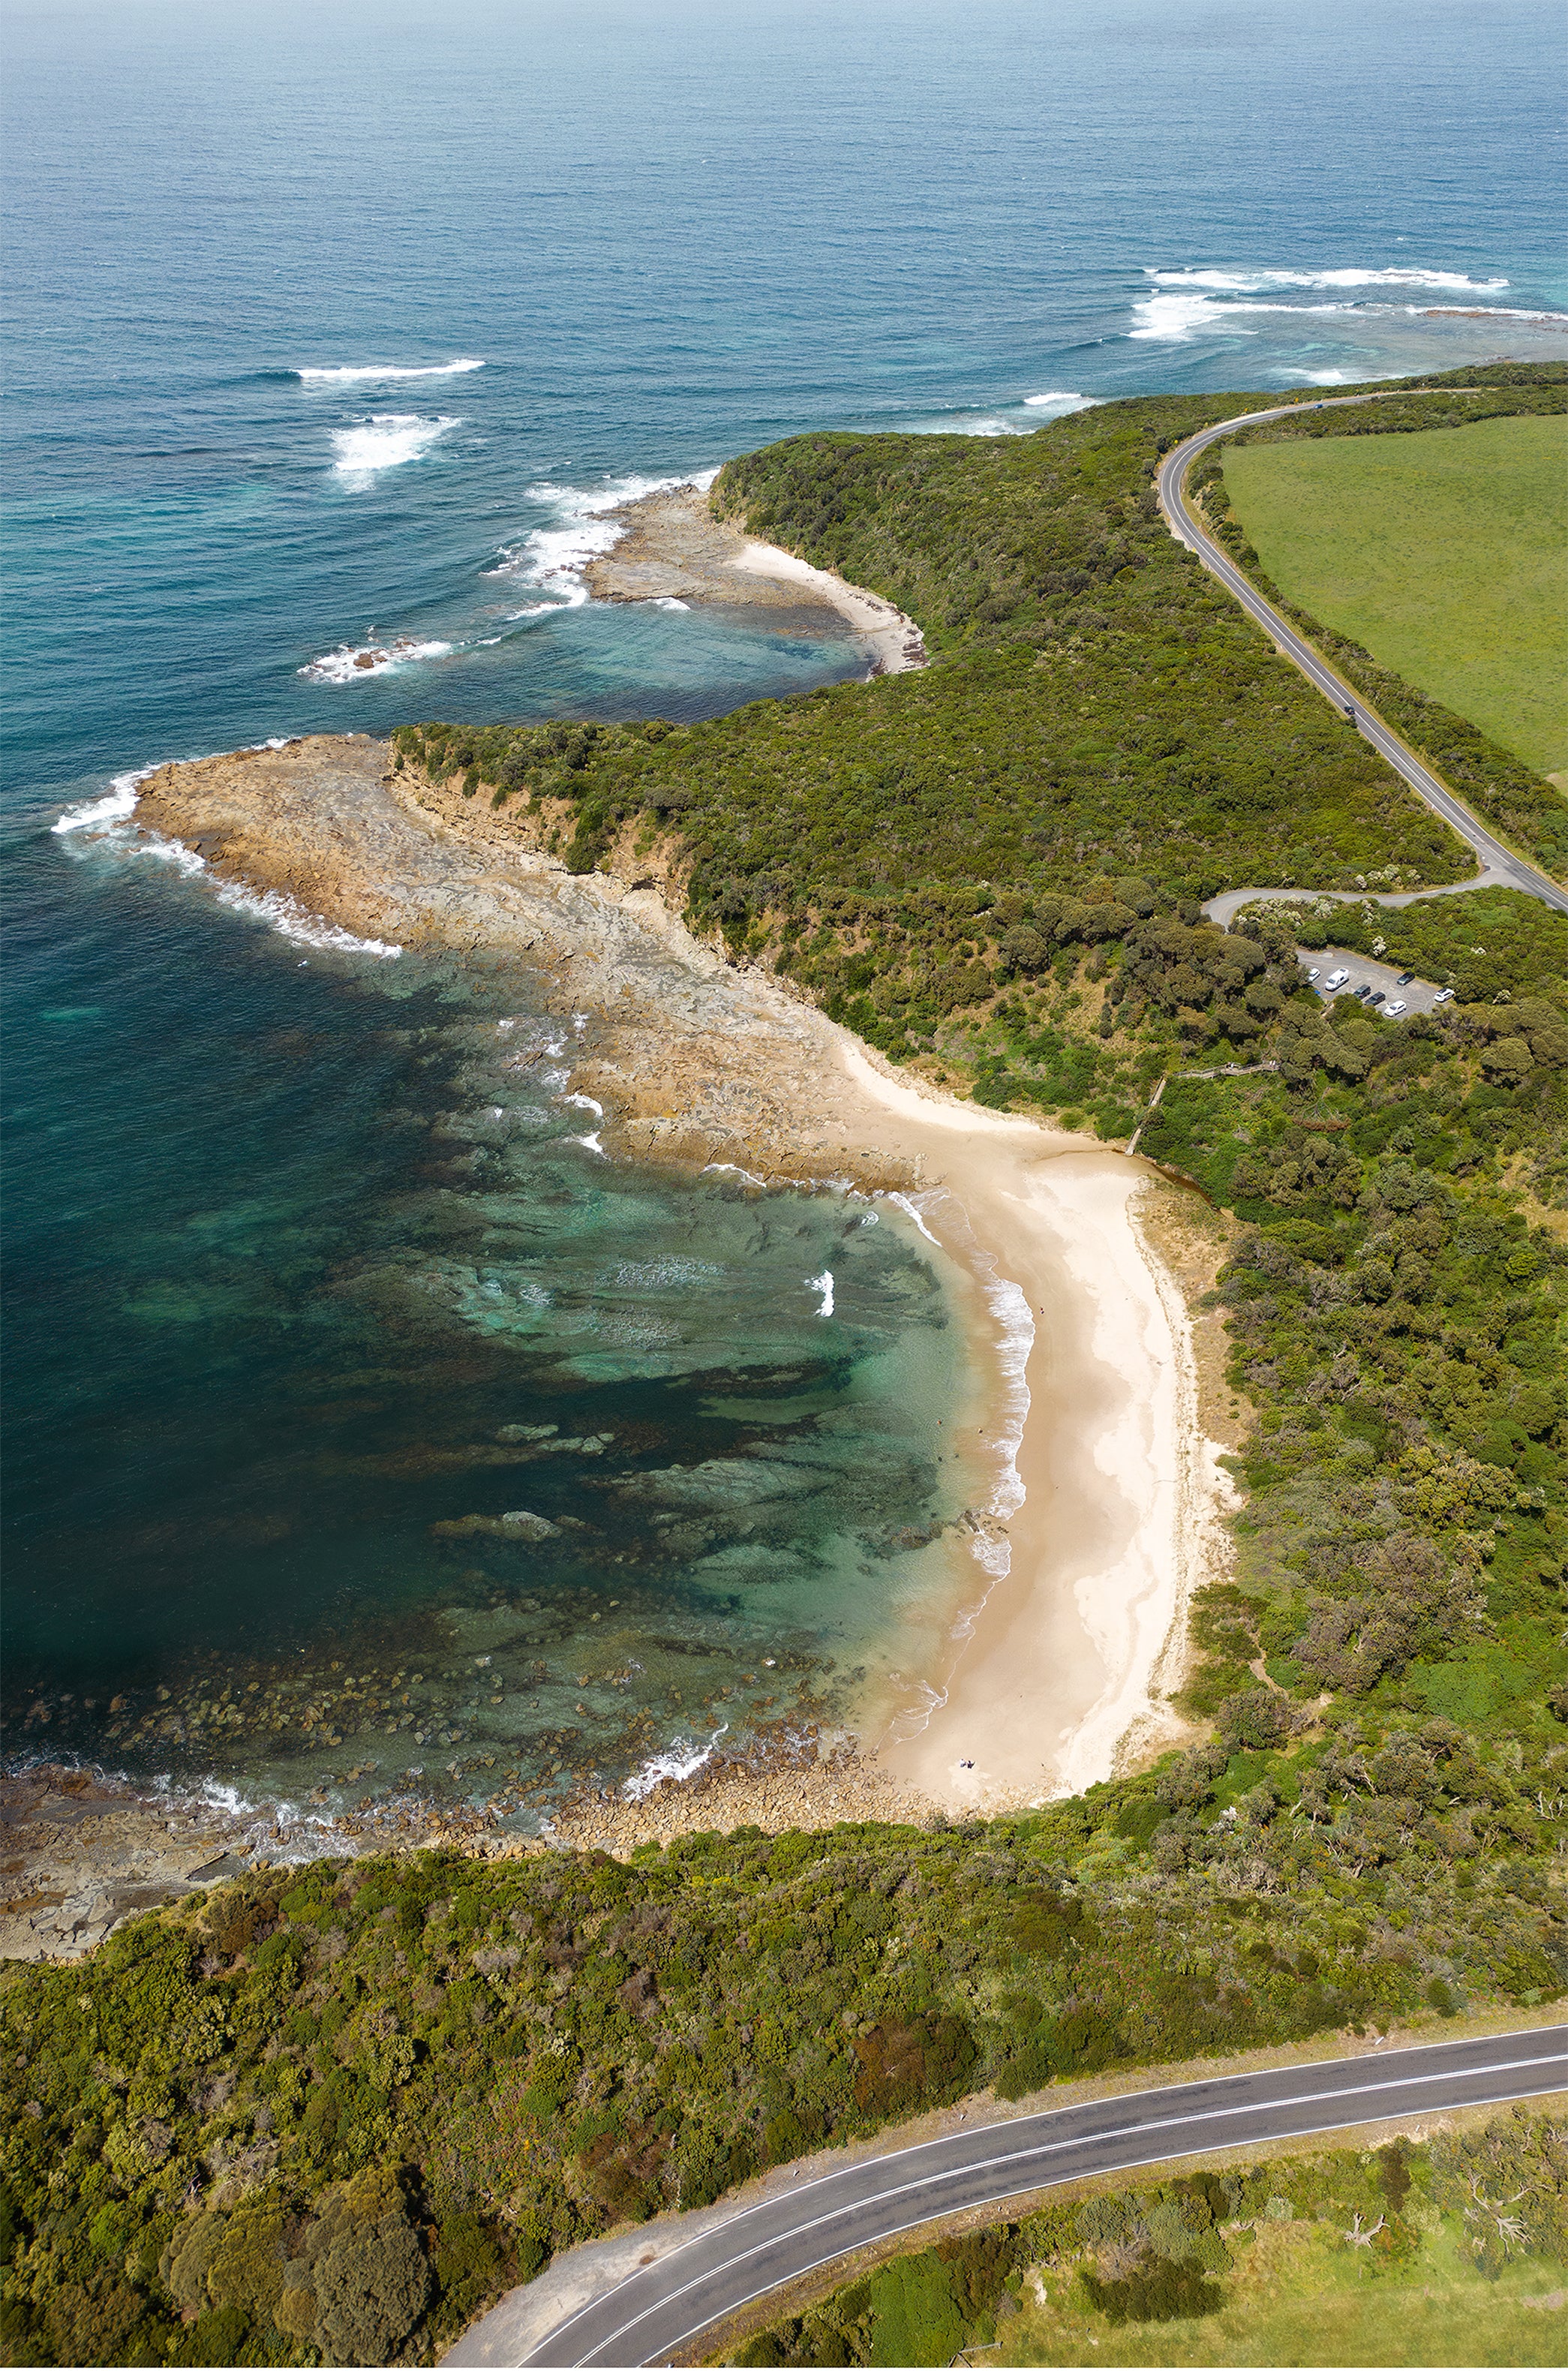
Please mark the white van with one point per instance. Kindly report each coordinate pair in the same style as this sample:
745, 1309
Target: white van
1336, 980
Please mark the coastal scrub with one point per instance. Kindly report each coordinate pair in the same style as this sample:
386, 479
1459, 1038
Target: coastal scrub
333, 2110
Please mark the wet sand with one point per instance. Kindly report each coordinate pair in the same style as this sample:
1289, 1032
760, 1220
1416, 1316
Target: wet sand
1047, 1665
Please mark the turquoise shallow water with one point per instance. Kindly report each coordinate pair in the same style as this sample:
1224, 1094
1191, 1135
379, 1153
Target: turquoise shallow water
291, 1246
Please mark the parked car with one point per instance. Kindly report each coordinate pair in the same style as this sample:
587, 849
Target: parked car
1336, 980
1404, 979
1442, 996
1377, 997
1312, 971
1362, 992
1395, 1009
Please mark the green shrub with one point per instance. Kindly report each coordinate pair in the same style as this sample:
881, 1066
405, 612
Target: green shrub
371, 2287
1159, 2291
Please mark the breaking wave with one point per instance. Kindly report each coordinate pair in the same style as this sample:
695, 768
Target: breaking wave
346, 374
118, 806
1183, 303
384, 441
112, 821
351, 662
1398, 275
297, 922
552, 559
679, 1761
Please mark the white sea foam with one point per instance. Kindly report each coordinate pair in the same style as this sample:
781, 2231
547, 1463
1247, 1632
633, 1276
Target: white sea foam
118, 806
1191, 301
166, 851
1173, 320
591, 1143
352, 662
731, 1168
1054, 396
383, 441
1251, 284
345, 373
585, 1102
553, 558
680, 1759
913, 1210
294, 922
102, 816
1010, 1307
823, 1284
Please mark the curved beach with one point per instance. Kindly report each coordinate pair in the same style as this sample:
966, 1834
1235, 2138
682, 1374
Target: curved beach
670, 548
1063, 1633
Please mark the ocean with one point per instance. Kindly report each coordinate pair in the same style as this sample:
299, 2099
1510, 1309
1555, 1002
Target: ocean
331, 342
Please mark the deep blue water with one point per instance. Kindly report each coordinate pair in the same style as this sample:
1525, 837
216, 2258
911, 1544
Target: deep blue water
270, 1282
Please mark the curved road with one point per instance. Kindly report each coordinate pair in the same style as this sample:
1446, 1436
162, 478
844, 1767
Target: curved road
1499, 865
661, 2306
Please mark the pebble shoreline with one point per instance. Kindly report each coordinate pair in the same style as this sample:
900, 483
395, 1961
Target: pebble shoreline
87, 1852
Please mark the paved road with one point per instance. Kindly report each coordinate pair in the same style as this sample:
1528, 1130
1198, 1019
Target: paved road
1498, 863
659, 2308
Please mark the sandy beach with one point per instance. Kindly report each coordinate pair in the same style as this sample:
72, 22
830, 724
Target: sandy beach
1096, 1497
671, 548
1056, 1674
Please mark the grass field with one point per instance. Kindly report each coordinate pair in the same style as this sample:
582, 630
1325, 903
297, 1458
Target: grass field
1301, 2295
1444, 553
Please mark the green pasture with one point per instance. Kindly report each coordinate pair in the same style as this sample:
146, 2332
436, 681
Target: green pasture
1302, 2296
1444, 553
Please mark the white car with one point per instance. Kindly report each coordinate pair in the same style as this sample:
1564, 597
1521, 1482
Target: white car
1391, 1011
1312, 971
1442, 996
1336, 980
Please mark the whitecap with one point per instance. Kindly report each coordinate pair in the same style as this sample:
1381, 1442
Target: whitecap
1054, 396
680, 1761
823, 1284
585, 1102
344, 374
383, 441
591, 1143
354, 662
